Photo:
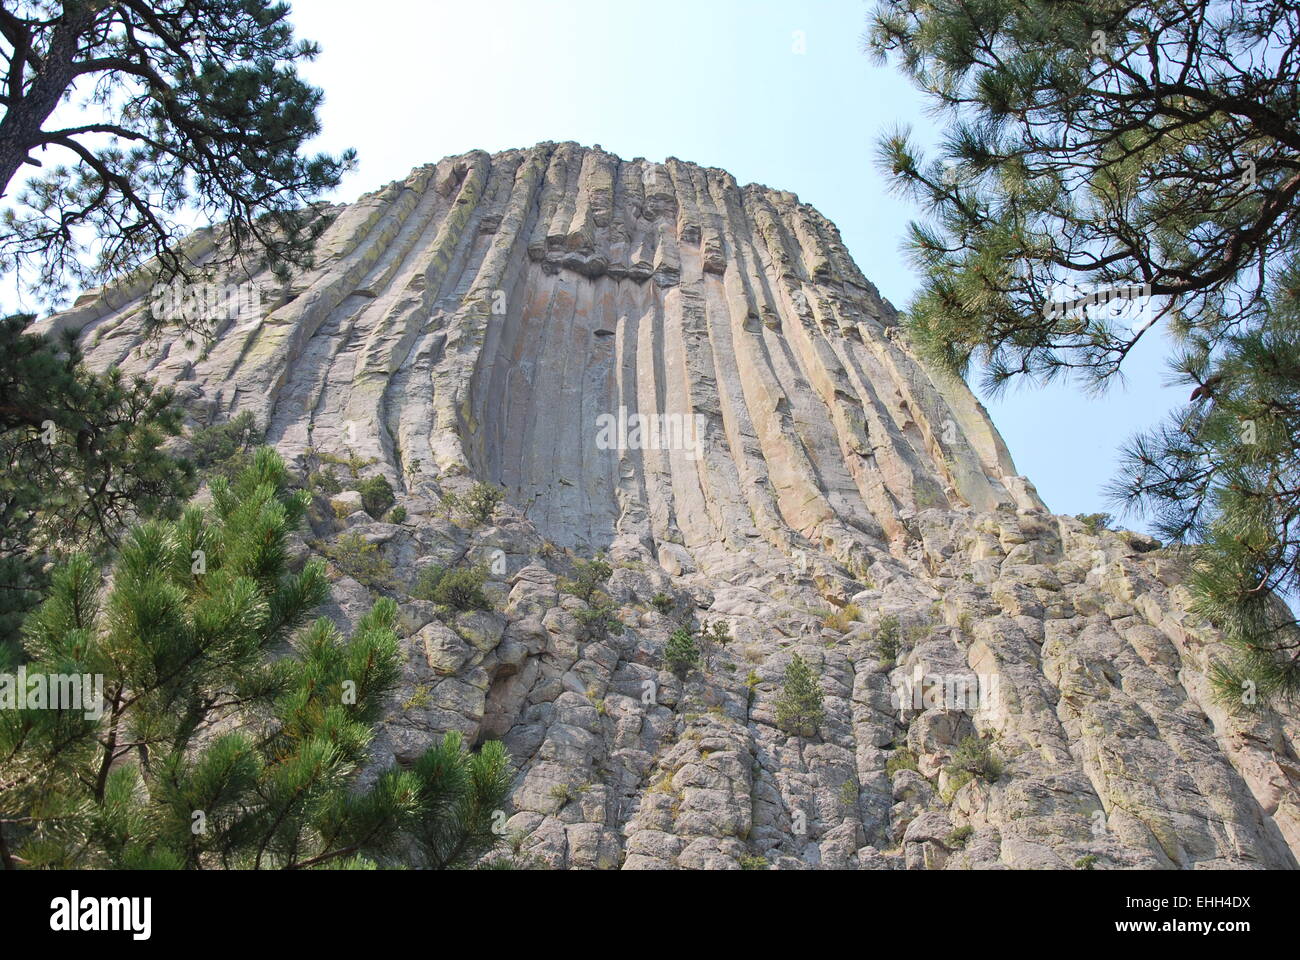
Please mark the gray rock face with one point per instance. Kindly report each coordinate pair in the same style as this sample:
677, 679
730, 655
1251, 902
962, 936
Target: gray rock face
695, 378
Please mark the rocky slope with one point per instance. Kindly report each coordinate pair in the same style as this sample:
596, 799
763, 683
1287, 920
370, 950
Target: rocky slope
486, 319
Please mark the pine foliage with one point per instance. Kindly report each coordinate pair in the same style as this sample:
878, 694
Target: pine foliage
1109, 170
233, 724
799, 707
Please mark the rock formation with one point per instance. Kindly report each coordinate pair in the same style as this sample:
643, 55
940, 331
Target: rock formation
695, 378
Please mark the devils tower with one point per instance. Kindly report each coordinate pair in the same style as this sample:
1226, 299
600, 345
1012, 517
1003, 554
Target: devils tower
693, 379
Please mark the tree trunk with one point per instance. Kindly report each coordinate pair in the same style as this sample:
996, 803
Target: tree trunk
20, 129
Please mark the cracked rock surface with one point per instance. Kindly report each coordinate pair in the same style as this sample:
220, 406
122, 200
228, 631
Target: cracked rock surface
839, 501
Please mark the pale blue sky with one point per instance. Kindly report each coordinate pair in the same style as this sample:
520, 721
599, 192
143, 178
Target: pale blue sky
715, 82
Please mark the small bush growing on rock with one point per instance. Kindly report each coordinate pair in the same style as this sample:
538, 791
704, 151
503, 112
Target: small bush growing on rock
663, 603
842, 619
1086, 862
426, 584
599, 621
954, 782
799, 708
376, 495
918, 633
476, 507
713, 637
974, 755
957, 839
681, 654
461, 589
226, 449
397, 515
1095, 523
353, 556
887, 639
589, 576
352, 462
324, 481
419, 698
902, 759
753, 863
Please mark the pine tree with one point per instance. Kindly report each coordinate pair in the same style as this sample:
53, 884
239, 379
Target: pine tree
1225, 476
799, 707
681, 654
83, 456
376, 495
1144, 156
232, 726
192, 105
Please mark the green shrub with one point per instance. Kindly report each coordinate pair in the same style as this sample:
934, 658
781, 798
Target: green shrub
353, 556
353, 462
1095, 523
599, 621
474, 508
957, 839
918, 633
462, 589
397, 515
753, 863
426, 583
799, 708
955, 781
902, 759
663, 603
376, 495
974, 755
324, 482
1086, 862
713, 637
681, 654
226, 449
590, 576
888, 639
